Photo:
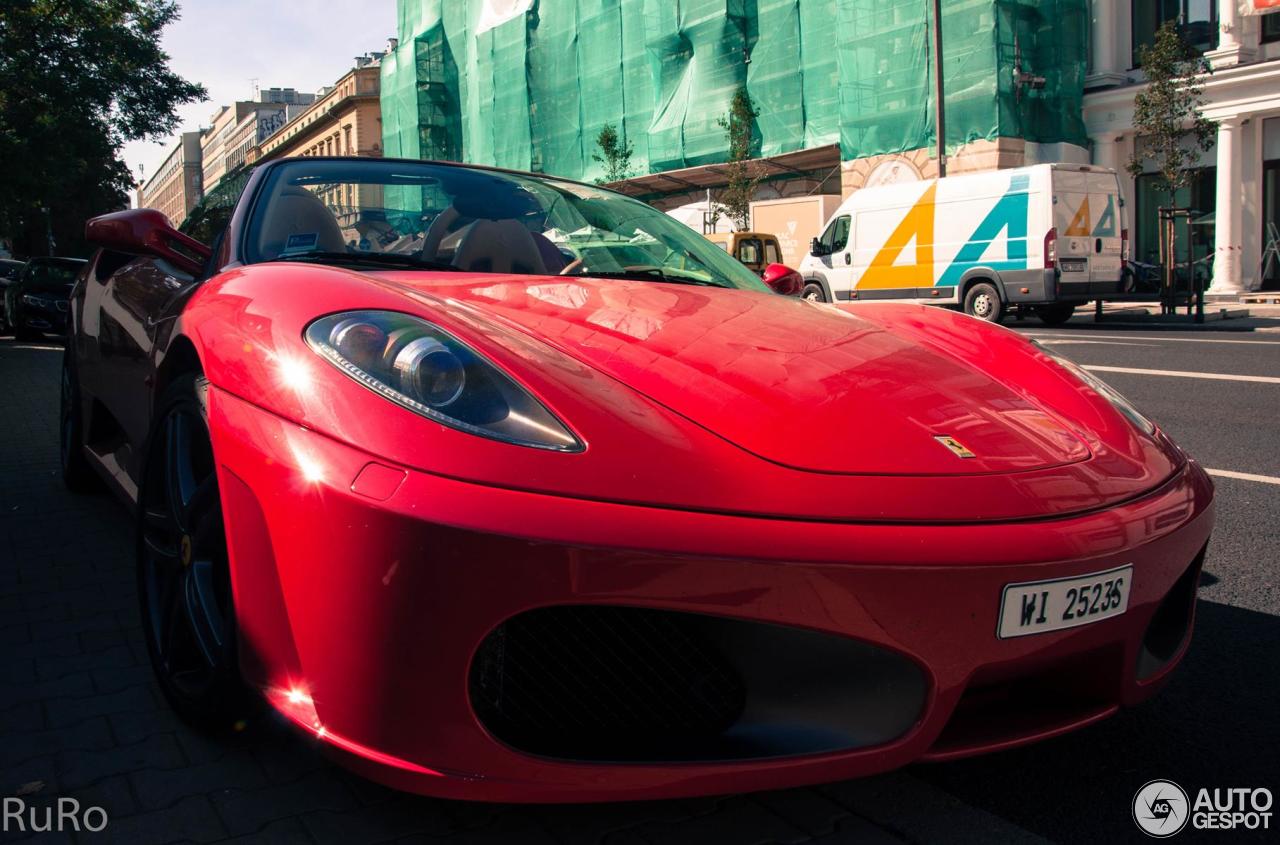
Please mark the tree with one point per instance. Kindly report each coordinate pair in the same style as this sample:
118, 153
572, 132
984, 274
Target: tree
615, 155
78, 79
1167, 114
735, 198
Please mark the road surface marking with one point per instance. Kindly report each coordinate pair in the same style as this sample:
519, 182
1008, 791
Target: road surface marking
1243, 476
1065, 341
1154, 337
1182, 374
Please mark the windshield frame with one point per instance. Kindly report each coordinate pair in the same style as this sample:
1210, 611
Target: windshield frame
723, 269
45, 265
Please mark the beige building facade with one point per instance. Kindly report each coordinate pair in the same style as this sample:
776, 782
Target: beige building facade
236, 130
344, 120
214, 140
178, 184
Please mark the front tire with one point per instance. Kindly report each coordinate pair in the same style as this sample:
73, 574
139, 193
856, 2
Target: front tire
813, 292
983, 301
184, 576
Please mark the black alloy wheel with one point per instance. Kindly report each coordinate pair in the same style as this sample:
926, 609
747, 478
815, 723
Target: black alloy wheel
184, 578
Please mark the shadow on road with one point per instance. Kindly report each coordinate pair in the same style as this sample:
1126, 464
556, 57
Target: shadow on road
1209, 728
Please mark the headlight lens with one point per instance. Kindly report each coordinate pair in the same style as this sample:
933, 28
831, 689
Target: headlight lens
422, 367
1124, 406
37, 301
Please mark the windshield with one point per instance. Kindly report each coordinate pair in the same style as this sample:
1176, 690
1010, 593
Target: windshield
408, 214
51, 276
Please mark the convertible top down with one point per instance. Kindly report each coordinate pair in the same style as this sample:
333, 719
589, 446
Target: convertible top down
511, 488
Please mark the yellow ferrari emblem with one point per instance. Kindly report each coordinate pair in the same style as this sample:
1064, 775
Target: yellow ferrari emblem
957, 448
185, 550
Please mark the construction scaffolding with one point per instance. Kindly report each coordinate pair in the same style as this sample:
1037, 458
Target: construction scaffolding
528, 84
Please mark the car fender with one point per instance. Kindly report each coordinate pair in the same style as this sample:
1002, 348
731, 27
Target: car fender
974, 275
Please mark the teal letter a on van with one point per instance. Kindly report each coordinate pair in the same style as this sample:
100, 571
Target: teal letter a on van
1008, 215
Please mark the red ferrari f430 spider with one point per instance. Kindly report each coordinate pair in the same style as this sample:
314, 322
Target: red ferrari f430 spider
512, 488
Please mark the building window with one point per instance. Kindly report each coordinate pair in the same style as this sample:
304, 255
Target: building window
1271, 27
1197, 22
1194, 240
1270, 220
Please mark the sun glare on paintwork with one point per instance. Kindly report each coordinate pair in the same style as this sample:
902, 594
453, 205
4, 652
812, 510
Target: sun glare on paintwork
312, 471
294, 374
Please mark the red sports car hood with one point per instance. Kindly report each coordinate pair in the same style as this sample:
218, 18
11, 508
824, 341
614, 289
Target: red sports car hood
805, 386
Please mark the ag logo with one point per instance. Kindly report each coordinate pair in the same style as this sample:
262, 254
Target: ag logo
1161, 808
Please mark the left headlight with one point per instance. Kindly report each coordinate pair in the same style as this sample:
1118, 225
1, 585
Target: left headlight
37, 301
423, 368
1124, 406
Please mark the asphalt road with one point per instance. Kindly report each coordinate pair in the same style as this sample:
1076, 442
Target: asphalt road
80, 717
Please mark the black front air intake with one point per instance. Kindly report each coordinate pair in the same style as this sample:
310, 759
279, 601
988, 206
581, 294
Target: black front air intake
569, 681
1171, 625
627, 684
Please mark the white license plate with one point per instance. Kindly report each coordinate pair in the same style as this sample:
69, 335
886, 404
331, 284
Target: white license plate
1034, 607
1072, 265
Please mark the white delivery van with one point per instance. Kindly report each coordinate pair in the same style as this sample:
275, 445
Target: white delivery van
1047, 236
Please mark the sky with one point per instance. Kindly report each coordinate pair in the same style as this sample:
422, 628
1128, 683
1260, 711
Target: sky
225, 44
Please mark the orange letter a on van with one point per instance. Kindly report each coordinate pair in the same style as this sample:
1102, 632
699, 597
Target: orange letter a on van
917, 224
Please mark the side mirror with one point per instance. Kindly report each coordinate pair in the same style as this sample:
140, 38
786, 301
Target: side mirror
145, 231
816, 247
783, 279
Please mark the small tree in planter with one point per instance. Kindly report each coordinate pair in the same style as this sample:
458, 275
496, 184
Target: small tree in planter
614, 153
735, 199
1169, 121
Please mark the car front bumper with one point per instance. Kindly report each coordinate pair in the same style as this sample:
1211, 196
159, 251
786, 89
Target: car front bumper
47, 319
365, 592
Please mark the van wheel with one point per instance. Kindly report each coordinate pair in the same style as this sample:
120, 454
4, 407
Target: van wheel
983, 301
1055, 314
813, 292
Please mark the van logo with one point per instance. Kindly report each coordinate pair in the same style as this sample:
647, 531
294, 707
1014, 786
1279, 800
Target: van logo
957, 448
1079, 224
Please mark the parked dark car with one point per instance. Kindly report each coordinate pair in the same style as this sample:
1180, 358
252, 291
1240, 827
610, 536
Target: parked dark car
10, 269
36, 304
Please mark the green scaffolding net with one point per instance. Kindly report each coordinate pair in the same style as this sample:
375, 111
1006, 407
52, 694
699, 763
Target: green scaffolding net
528, 84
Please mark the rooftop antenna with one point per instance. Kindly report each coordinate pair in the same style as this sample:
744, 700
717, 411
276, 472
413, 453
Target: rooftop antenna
253, 81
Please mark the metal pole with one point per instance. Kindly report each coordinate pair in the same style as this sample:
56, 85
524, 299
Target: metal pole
939, 104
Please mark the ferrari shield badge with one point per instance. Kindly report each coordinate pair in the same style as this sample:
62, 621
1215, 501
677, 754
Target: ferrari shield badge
957, 448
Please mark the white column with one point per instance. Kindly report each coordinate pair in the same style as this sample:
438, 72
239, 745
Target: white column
1103, 22
1227, 216
1106, 150
1232, 49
